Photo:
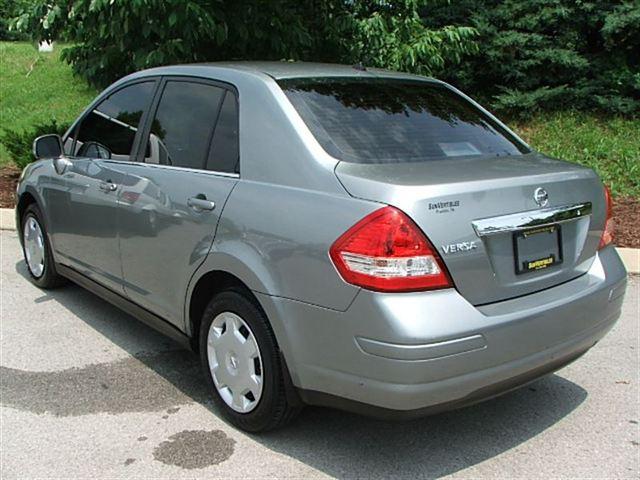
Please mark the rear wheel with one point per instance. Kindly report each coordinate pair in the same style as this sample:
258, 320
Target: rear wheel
241, 360
37, 251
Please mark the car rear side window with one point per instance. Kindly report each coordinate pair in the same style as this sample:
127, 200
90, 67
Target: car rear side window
183, 126
395, 121
224, 152
109, 130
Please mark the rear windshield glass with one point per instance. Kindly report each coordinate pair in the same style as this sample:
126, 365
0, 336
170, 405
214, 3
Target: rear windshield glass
395, 121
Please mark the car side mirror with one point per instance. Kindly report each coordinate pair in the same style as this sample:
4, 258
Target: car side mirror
47, 146
95, 150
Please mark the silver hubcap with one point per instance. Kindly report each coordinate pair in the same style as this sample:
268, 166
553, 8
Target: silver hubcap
34, 246
235, 362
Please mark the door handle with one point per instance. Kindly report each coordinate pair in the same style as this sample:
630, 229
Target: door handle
108, 186
200, 202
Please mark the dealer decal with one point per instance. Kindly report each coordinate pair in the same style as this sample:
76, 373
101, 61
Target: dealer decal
540, 264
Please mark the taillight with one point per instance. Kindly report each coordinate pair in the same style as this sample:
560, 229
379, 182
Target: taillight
130, 197
387, 252
607, 232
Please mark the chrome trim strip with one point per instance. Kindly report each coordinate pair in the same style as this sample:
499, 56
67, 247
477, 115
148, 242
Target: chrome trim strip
532, 218
172, 167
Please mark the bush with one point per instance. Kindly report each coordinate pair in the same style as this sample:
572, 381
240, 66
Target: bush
19, 143
548, 54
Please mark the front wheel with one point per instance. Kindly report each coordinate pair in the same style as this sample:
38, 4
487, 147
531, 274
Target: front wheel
37, 251
241, 361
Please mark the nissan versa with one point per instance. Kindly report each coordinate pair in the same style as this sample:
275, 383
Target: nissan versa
325, 235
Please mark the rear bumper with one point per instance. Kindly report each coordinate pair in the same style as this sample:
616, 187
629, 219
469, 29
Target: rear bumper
415, 353
484, 393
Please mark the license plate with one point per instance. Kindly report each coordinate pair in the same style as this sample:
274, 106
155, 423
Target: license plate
537, 248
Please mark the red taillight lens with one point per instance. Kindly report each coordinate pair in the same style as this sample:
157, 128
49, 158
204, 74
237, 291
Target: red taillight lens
130, 197
607, 232
387, 252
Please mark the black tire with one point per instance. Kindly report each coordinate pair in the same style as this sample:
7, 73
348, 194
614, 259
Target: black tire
49, 277
273, 409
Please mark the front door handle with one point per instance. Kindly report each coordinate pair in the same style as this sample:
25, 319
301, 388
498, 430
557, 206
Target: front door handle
108, 186
200, 202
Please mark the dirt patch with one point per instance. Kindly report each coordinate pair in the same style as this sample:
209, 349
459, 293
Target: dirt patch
8, 181
626, 210
195, 449
626, 215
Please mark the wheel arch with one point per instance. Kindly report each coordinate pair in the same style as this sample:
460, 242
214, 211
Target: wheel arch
209, 284
24, 201
240, 266
26, 198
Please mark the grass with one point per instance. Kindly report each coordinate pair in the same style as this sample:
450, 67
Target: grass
37, 87
609, 145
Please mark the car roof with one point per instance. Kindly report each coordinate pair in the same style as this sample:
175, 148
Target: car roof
281, 69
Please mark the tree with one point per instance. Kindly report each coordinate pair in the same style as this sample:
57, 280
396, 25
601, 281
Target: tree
8, 10
112, 37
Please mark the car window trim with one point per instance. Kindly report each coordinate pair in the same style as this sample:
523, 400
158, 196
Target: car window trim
74, 130
173, 167
153, 109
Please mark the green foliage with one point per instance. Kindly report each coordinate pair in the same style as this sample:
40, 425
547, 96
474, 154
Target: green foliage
8, 10
392, 35
36, 87
548, 54
621, 27
113, 38
610, 145
520, 56
19, 143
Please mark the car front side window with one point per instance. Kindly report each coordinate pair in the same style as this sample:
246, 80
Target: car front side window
109, 130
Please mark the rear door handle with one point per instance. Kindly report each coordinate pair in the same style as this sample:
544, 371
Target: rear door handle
200, 202
108, 186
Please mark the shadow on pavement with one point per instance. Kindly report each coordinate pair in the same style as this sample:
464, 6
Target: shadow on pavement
338, 443
347, 446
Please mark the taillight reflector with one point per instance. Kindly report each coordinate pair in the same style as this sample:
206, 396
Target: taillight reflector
608, 231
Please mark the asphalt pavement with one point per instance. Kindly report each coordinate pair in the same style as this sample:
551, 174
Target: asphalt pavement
89, 392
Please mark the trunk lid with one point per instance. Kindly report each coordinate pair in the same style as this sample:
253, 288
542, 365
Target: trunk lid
463, 205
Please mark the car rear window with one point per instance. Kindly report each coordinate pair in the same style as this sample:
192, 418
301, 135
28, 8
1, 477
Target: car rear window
395, 121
